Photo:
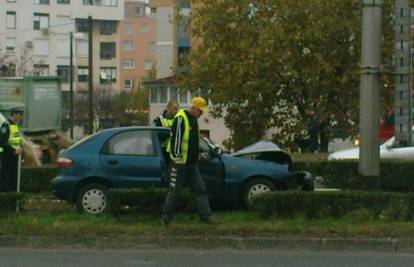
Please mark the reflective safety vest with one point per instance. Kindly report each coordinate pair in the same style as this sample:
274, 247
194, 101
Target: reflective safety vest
166, 122
184, 142
15, 138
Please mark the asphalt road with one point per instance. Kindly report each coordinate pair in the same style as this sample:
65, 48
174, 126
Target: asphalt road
195, 258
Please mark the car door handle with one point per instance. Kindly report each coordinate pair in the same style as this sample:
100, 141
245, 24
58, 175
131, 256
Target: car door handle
113, 161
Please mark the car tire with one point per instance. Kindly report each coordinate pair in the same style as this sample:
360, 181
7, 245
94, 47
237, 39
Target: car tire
92, 198
254, 187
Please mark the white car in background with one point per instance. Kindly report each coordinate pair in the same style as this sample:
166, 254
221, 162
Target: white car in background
388, 150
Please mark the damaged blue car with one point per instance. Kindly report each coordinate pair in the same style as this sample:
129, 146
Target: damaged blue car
135, 157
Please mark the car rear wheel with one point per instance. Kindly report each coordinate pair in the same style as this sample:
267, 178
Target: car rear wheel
92, 198
256, 187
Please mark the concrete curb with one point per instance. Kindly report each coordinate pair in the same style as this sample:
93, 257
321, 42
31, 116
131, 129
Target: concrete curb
207, 242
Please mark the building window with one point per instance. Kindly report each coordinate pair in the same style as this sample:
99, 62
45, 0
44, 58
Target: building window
151, 47
174, 94
128, 46
128, 64
87, 2
183, 97
82, 25
154, 95
144, 28
128, 83
153, 10
138, 11
128, 29
40, 21
64, 73
11, 20
163, 95
10, 44
63, 1
111, 3
107, 75
182, 52
147, 64
11, 1
108, 50
41, 2
107, 27
41, 69
83, 74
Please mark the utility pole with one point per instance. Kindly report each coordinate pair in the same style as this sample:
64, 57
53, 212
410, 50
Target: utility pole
403, 63
90, 91
71, 85
369, 160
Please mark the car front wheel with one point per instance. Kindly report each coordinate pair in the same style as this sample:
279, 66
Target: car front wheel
256, 187
92, 198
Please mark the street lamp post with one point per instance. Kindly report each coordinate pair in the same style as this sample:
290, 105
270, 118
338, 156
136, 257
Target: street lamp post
77, 36
369, 164
71, 86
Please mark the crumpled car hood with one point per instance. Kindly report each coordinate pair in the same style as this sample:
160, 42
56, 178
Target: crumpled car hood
266, 151
261, 146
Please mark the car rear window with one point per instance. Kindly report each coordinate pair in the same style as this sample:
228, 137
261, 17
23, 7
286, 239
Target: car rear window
83, 141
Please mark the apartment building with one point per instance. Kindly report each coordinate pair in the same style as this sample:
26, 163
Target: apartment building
35, 35
136, 44
173, 40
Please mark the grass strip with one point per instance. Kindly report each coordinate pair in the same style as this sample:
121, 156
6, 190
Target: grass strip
238, 224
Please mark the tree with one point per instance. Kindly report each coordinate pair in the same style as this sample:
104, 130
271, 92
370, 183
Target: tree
268, 63
22, 63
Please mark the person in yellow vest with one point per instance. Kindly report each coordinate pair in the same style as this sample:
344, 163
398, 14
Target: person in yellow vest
185, 153
10, 146
167, 117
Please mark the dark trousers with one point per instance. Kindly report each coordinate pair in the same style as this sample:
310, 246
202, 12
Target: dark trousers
8, 179
180, 176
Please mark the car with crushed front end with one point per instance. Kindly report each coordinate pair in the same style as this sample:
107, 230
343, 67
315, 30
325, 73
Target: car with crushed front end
135, 157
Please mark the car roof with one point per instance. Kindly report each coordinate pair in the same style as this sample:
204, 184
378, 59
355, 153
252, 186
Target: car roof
132, 128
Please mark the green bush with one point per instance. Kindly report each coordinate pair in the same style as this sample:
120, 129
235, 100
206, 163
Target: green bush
397, 176
37, 180
8, 200
335, 204
149, 200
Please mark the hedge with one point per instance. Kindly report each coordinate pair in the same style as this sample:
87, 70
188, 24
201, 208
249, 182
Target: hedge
38, 180
396, 176
336, 204
149, 200
8, 200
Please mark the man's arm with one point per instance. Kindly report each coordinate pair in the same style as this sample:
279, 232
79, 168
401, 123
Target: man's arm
157, 121
177, 133
4, 138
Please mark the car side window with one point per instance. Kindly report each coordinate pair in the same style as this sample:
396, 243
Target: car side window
131, 143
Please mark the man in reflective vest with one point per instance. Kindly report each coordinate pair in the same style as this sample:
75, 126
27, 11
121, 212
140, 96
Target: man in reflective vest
167, 117
10, 146
184, 152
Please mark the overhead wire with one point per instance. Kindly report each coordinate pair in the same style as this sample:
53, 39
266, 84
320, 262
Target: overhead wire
31, 29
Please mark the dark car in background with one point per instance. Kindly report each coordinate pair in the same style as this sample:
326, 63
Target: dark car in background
134, 157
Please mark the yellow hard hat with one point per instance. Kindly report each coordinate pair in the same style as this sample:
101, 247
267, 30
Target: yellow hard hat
200, 103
